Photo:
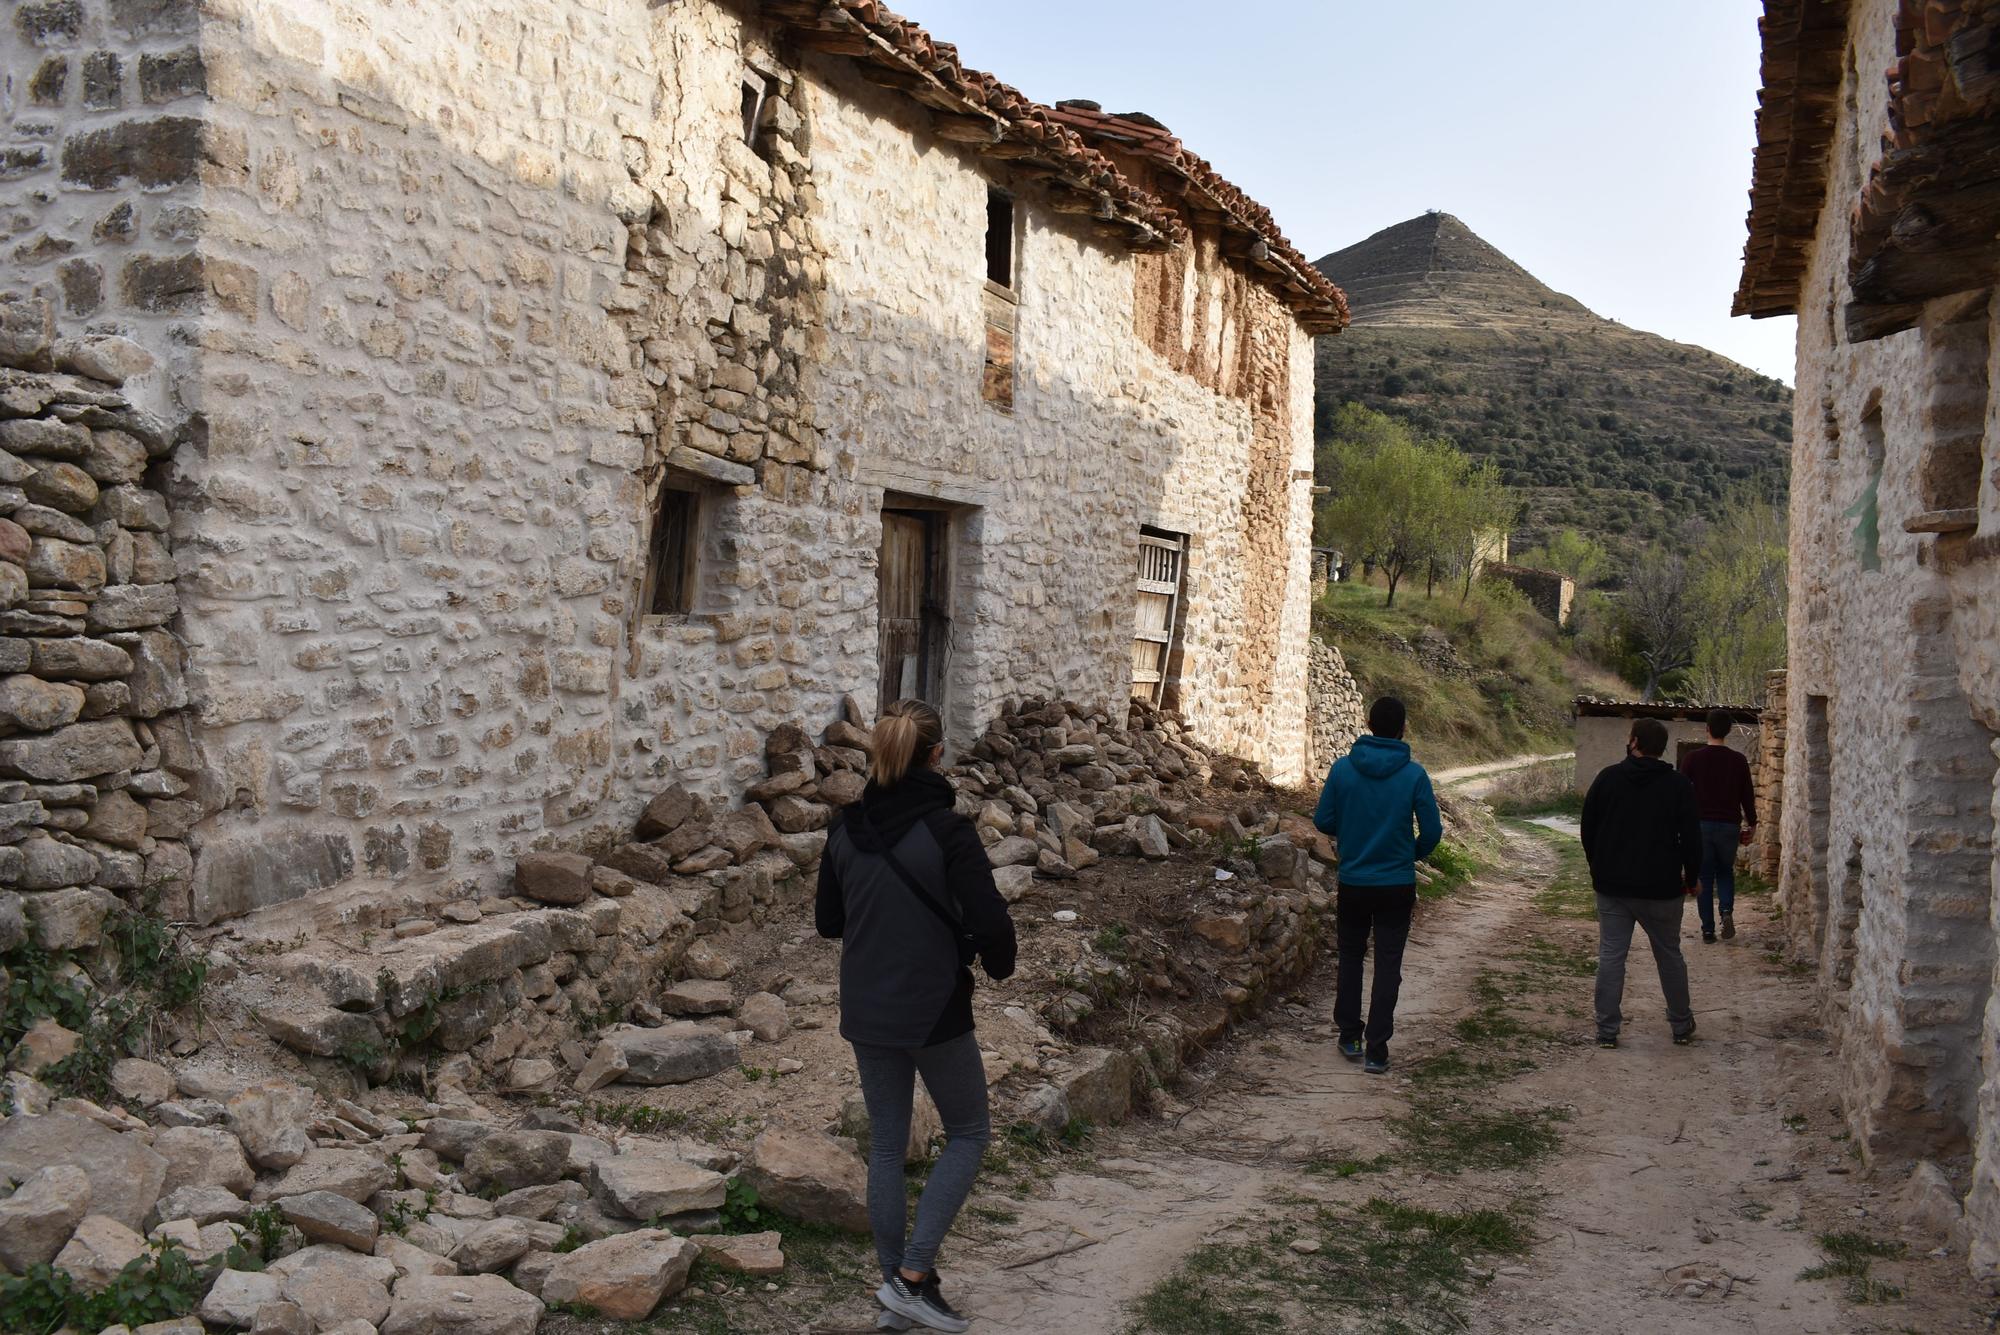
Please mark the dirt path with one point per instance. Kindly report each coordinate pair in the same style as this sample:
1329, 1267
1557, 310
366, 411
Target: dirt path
1666, 1189
1477, 780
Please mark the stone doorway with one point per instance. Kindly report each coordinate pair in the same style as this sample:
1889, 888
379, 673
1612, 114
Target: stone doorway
915, 619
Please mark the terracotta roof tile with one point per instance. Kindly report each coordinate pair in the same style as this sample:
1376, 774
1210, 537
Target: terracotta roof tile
995, 118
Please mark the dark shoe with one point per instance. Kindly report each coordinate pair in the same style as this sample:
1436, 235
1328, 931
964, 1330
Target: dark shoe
1708, 938
1377, 1063
1350, 1048
921, 1303
1682, 1040
887, 1320
1607, 1040
1728, 925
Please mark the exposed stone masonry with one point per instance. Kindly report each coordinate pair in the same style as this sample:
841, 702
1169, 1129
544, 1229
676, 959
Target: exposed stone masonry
96, 750
1339, 714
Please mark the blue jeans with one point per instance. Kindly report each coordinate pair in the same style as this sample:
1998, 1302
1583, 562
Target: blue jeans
1719, 842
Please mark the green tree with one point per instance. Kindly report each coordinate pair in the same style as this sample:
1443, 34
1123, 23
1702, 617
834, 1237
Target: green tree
1582, 558
1391, 493
1738, 575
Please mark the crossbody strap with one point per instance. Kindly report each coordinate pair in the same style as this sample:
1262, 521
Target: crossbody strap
916, 887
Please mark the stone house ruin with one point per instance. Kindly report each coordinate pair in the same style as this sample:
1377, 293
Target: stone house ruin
1603, 727
1874, 215
547, 402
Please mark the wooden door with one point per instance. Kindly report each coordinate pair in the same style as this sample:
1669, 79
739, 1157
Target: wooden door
905, 570
1160, 561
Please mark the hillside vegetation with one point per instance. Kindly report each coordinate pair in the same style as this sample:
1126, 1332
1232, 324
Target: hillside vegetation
1616, 432
1484, 678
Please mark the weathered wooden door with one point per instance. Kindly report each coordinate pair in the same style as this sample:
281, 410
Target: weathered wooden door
1160, 560
907, 593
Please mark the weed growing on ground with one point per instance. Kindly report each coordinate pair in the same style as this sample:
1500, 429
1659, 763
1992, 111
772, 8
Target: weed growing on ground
1442, 1134
1452, 868
1849, 1257
1323, 1166
1405, 1266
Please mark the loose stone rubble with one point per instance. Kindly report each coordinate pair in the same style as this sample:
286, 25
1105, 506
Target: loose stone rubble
441, 1213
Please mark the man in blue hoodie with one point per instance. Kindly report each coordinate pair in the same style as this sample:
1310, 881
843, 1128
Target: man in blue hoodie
1379, 810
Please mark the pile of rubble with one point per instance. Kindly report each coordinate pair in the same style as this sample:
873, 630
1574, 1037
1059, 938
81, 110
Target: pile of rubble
364, 1206
300, 1214
94, 756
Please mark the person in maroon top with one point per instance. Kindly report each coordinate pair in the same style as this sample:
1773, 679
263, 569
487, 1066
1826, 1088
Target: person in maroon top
1727, 802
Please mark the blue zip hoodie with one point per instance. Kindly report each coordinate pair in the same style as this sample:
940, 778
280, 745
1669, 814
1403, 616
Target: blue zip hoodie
1371, 796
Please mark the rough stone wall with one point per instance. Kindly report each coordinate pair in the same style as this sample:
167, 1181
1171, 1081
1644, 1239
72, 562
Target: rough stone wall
1886, 820
441, 300
1338, 713
1549, 592
94, 751
1767, 774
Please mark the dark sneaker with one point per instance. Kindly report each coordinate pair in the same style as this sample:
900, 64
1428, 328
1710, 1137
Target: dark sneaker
1708, 938
920, 1303
1607, 1040
1728, 925
1350, 1048
887, 1320
1682, 1040
1376, 1064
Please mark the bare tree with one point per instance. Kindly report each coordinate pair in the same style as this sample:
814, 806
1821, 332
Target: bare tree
1659, 612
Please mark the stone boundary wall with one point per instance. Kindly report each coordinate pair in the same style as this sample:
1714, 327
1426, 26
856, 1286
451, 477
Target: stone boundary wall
1549, 592
96, 752
1339, 714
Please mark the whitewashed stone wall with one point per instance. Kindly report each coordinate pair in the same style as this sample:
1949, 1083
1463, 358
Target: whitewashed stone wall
1888, 871
441, 292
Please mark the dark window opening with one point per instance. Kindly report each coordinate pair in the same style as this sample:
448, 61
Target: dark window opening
676, 534
756, 92
1000, 237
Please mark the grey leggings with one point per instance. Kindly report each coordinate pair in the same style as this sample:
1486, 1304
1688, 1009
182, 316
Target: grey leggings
956, 1079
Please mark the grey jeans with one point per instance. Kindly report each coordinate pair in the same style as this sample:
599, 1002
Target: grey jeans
956, 1079
1661, 919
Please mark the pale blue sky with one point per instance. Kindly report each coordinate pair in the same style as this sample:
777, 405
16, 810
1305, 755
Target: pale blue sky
1603, 144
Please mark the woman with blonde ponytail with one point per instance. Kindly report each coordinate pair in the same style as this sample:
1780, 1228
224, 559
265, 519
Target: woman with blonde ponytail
906, 888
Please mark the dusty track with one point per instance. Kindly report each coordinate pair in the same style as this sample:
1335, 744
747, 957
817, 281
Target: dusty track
1687, 1195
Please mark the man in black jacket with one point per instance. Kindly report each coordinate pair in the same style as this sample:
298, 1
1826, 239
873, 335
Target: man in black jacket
1642, 835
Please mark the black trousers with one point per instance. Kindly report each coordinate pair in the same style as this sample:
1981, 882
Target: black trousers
1382, 911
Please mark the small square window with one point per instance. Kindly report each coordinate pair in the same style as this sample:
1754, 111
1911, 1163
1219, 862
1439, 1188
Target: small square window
1000, 238
756, 92
676, 538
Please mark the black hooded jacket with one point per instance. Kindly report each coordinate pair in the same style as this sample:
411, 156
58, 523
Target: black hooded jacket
1641, 830
901, 985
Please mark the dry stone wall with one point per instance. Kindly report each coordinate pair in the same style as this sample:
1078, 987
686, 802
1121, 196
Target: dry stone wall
94, 750
1339, 714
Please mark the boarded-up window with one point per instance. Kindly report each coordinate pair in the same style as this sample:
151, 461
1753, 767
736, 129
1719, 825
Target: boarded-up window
1162, 559
675, 543
756, 92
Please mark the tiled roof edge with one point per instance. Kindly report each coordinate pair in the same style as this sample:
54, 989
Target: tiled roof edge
992, 117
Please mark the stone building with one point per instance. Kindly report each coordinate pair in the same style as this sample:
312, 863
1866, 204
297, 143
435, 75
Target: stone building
561, 397
1874, 215
1604, 726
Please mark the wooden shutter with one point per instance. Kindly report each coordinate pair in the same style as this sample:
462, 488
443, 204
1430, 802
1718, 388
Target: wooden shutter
1160, 562
904, 565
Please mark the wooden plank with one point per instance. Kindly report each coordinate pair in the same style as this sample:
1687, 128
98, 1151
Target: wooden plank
1159, 586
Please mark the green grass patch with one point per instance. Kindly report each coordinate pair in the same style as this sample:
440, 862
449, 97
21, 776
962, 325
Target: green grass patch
1849, 1257
1441, 1133
1396, 1266
1568, 893
1221, 1289
1321, 1165
1452, 868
